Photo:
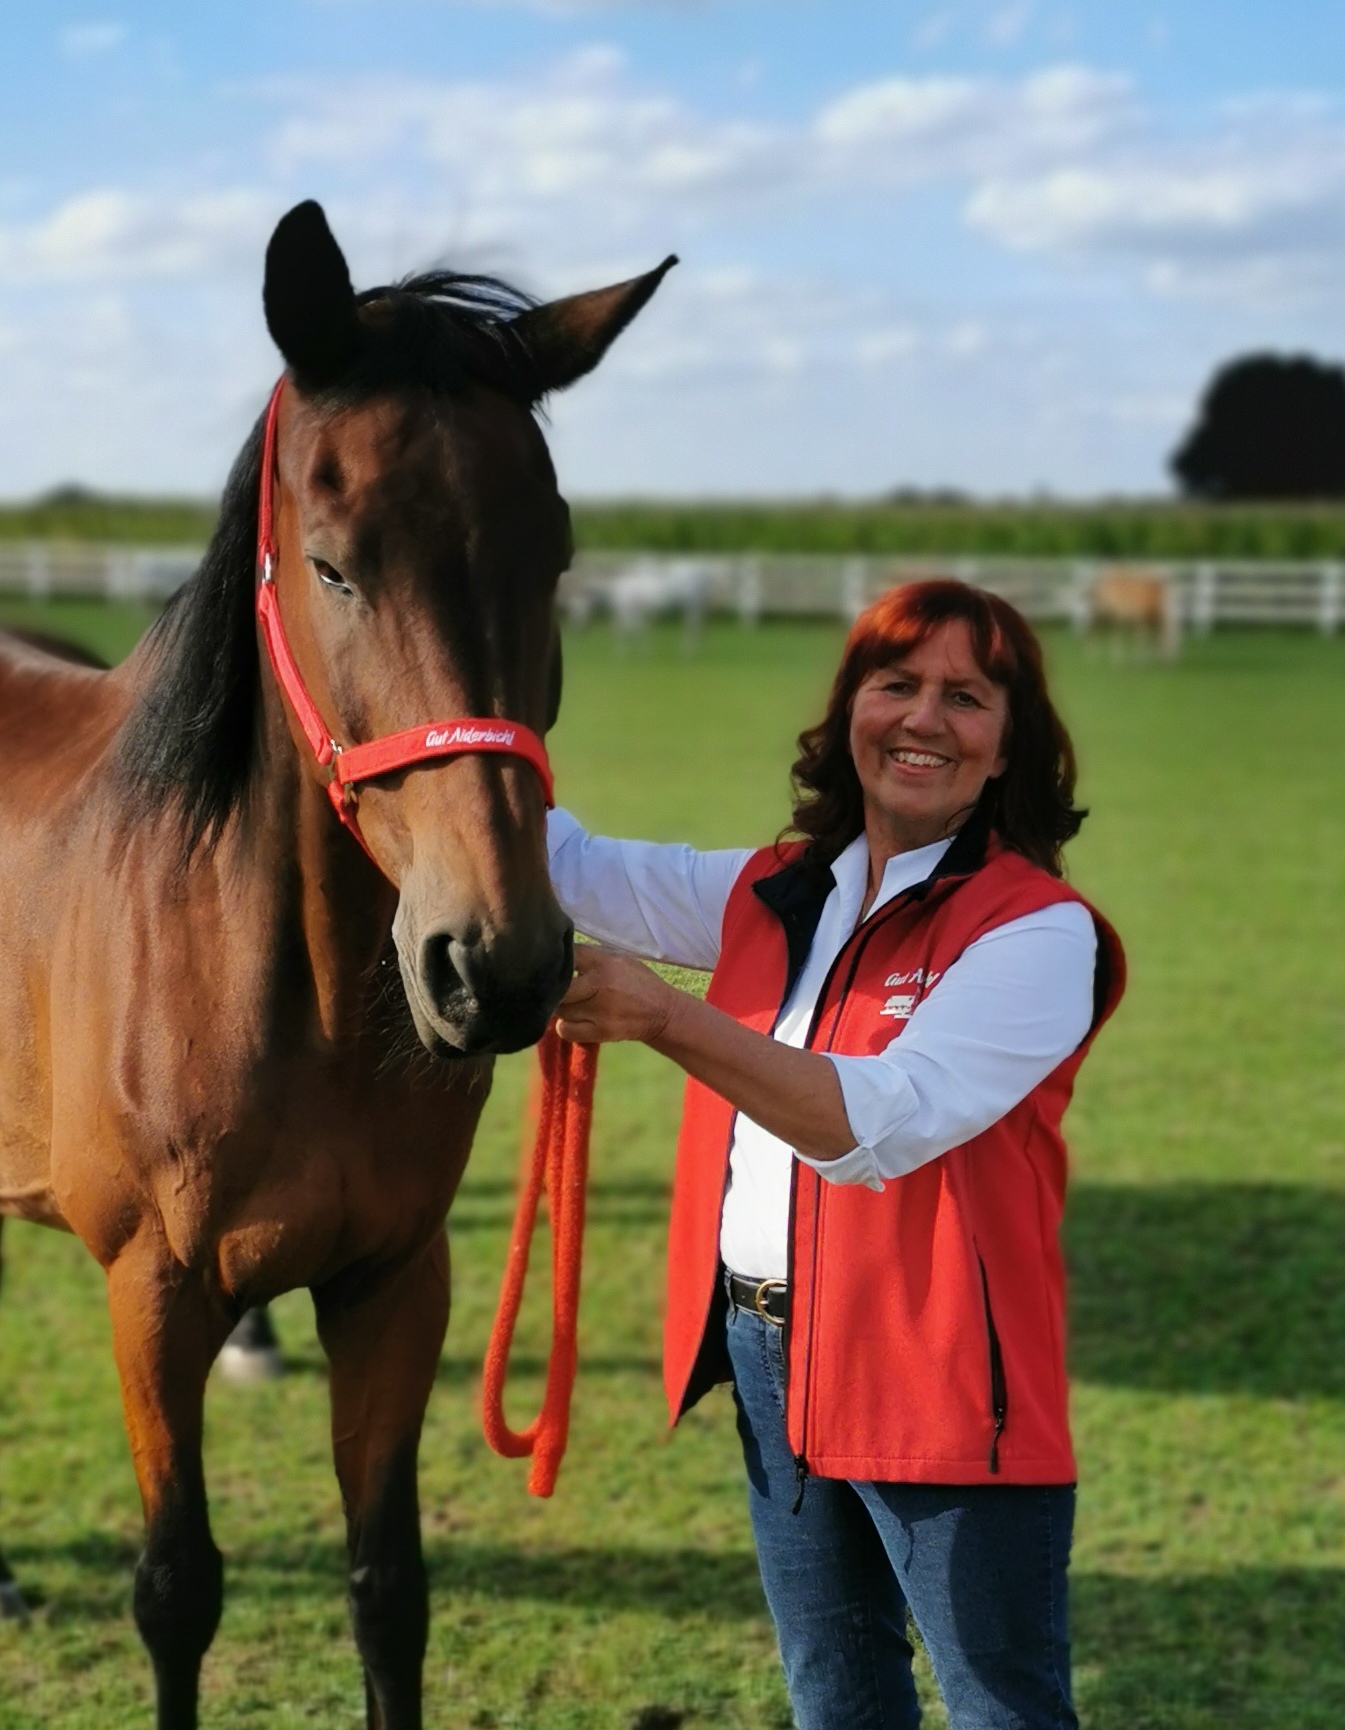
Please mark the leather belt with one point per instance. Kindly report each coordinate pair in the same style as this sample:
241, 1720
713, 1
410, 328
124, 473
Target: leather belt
767, 1298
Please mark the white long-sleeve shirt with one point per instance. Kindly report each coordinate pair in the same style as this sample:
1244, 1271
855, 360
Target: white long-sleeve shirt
1015, 1004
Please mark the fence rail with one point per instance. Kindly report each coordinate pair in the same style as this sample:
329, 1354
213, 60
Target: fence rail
635, 587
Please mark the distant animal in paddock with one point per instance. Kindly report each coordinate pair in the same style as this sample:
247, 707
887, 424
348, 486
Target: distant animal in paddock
249, 997
651, 590
1134, 608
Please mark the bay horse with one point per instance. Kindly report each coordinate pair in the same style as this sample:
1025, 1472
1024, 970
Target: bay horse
208, 1071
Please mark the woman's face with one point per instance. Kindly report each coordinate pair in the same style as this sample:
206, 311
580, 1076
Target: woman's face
926, 734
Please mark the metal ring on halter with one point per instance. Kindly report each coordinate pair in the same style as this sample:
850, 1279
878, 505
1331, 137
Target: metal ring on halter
348, 798
268, 568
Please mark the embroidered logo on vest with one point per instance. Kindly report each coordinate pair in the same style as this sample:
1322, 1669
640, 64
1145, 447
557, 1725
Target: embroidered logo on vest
902, 1006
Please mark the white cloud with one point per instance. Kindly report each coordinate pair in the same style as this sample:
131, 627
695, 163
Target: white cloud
581, 140
88, 41
1007, 23
130, 336
943, 129
111, 234
1255, 211
581, 163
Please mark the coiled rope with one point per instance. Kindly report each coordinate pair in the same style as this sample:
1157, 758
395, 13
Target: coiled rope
557, 1162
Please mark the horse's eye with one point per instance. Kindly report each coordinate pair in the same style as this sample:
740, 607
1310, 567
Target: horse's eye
331, 577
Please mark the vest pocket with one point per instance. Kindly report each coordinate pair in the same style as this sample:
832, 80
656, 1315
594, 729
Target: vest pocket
999, 1393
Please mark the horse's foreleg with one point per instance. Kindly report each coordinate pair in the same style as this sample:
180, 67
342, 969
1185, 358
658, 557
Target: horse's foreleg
165, 1333
382, 1334
11, 1598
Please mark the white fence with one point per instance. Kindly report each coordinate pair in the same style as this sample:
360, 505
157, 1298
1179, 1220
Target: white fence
633, 588
77, 568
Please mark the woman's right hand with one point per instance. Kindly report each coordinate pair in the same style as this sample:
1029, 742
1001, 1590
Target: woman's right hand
613, 997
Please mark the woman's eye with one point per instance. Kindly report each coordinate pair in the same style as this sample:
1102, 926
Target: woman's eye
330, 576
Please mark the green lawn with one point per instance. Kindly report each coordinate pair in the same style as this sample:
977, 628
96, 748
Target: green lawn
1207, 1240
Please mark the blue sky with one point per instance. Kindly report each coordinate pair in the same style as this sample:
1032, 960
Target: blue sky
994, 244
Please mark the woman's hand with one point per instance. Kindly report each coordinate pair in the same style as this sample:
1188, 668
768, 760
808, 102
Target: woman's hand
613, 996
794, 1094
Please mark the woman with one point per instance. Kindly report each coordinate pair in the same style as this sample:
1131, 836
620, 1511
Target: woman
871, 1175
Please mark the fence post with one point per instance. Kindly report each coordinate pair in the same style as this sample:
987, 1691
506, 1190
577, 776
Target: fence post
1204, 599
1329, 608
37, 569
749, 591
852, 590
1079, 601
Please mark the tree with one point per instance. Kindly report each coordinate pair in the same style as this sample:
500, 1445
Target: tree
1269, 427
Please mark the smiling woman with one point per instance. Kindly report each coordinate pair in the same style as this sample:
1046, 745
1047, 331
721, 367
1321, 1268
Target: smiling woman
871, 1174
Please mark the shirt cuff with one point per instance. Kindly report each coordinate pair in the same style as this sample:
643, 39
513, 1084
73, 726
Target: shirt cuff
857, 1166
879, 1101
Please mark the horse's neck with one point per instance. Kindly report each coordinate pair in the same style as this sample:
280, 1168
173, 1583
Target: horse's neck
333, 901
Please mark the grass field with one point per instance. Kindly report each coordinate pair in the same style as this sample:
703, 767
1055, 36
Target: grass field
1206, 1240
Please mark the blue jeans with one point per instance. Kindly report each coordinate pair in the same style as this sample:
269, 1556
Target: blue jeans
981, 1570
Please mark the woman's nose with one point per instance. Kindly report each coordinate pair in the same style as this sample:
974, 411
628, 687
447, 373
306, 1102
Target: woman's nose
924, 714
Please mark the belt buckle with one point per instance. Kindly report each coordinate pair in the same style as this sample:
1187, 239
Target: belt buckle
759, 1301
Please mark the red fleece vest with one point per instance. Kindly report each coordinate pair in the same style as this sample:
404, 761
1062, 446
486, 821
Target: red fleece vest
926, 1331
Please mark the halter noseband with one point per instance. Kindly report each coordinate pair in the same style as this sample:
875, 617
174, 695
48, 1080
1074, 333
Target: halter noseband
351, 764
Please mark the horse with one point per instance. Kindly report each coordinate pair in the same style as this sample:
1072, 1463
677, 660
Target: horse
248, 1011
1137, 605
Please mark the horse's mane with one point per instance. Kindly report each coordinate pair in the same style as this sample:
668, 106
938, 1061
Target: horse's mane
191, 740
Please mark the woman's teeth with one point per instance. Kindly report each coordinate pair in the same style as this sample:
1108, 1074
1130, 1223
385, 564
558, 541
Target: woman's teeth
920, 759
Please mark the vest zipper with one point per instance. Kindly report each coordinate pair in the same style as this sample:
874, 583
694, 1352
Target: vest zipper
999, 1392
801, 1468
801, 1477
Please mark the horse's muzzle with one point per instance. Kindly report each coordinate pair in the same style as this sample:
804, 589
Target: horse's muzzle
481, 993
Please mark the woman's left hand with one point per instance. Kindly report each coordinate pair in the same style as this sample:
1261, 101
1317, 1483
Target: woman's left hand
611, 997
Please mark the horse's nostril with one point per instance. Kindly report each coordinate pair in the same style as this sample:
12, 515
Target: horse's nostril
438, 972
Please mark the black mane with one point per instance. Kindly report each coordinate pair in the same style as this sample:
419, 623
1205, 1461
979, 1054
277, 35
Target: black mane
192, 739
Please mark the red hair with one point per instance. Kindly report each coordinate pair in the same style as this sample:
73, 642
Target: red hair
1030, 806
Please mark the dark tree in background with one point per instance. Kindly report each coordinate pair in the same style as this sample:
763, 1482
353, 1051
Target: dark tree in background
1270, 427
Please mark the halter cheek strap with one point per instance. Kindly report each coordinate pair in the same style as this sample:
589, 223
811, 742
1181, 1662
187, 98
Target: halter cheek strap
351, 764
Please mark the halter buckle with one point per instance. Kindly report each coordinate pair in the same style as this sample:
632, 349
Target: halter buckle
268, 567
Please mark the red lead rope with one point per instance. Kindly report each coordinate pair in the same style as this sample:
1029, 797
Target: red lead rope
558, 1164
560, 1157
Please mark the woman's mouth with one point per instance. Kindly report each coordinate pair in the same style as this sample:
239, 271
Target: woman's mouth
919, 760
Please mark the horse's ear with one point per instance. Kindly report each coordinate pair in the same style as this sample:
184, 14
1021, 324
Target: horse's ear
310, 304
567, 338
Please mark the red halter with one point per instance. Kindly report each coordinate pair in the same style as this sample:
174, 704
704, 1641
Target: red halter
351, 764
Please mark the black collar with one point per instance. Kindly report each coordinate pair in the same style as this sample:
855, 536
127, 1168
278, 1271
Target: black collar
798, 892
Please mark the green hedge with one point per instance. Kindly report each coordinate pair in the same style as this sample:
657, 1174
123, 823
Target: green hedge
1139, 530
1146, 530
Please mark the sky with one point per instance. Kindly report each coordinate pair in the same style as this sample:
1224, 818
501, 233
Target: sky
997, 245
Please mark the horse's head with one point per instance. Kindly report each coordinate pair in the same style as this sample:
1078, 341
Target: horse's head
420, 535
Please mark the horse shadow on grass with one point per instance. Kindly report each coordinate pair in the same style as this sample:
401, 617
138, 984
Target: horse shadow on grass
487, 1204
1236, 1651
676, 1583
1191, 1288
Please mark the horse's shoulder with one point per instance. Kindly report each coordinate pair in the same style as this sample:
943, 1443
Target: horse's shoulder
58, 722
45, 681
